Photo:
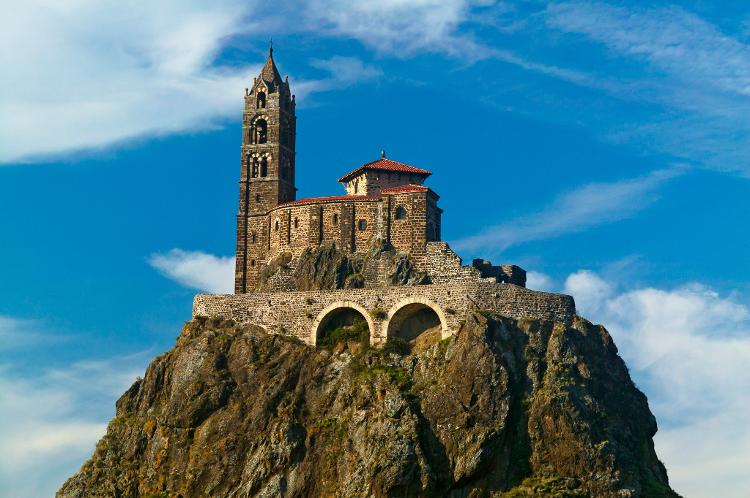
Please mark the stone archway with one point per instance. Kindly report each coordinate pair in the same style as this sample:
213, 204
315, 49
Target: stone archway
338, 310
410, 318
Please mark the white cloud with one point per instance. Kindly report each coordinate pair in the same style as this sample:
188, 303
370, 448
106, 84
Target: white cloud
53, 418
539, 281
342, 72
16, 332
88, 73
197, 270
587, 206
700, 75
688, 349
398, 27
347, 70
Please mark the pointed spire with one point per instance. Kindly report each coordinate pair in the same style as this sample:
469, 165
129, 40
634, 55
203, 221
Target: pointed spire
269, 73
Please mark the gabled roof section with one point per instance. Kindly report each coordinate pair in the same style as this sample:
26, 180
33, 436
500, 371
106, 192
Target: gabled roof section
385, 164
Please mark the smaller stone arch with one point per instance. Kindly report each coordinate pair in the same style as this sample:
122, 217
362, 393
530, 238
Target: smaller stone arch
408, 308
325, 314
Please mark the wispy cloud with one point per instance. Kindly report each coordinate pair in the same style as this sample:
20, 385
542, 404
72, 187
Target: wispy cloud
106, 72
16, 332
700, 75
399, 28
590, 205
87, 74
196, 270
53, 418
342, 72
688, 349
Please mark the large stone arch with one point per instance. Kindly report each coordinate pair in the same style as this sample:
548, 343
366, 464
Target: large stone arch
413, 305
333, 307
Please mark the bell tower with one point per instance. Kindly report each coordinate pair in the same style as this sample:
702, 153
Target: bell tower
267, 171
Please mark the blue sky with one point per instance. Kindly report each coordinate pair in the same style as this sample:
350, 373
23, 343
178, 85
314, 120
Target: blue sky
603, 146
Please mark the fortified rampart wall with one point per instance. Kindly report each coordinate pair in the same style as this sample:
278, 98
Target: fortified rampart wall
300, 313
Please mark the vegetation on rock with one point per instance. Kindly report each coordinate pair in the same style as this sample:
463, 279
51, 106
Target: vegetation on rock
504, 408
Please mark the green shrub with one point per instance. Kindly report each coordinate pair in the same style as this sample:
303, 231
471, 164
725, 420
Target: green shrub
378, 314
357, 331
396, 345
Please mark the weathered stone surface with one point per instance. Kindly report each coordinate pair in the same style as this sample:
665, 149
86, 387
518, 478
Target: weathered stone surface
326, 267
503, 408
298, 313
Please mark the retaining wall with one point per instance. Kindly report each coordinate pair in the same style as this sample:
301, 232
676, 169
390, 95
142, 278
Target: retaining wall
300, 313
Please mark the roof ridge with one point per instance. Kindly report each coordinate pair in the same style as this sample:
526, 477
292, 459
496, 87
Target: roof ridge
386, 164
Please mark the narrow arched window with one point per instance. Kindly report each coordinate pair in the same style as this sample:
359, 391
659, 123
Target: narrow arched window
296, 222
264, 167
260, 132
400, 213
252, 262
255, 167
253, 238
260, 102
257, 198
276, 225
362, 225
335, 219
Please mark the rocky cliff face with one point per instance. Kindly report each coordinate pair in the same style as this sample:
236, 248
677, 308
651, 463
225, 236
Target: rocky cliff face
504, 408
327, 268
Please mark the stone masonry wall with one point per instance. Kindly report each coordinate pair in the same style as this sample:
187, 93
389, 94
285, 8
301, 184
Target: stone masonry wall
299, 313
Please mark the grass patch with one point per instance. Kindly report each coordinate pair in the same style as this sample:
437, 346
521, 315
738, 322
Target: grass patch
549, 487
378, 314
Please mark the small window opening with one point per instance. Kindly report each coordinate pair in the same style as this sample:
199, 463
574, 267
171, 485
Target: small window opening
400, 213
296, 222
253, 238
362, 224
276, 225
257, 198
255, 167
261, 101
335, 219
252, 262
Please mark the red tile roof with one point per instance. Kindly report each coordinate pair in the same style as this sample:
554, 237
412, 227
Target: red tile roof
405, 188
385, 164
333, 198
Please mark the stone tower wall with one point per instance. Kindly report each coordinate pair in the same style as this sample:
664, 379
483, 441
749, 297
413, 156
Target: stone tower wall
267, 169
